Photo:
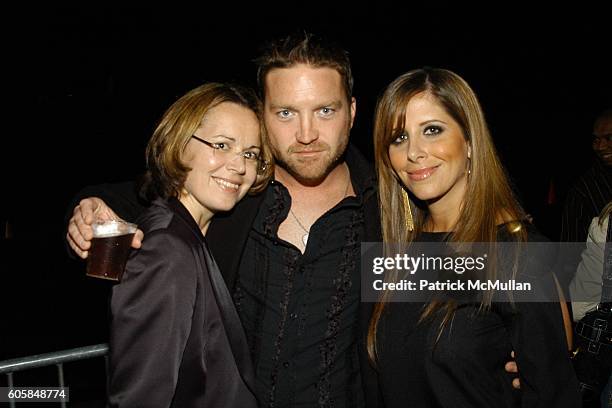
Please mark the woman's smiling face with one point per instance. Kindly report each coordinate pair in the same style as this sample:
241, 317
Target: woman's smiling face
431, 154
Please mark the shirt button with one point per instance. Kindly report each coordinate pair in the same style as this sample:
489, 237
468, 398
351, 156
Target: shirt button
275, 242
286, 364
294, 315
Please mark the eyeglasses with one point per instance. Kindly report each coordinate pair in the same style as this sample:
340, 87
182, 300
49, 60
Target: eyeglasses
223, 151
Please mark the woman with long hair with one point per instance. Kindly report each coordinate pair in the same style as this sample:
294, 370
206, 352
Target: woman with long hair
440, 180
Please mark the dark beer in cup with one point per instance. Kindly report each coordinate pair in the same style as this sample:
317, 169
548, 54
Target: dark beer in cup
109, 250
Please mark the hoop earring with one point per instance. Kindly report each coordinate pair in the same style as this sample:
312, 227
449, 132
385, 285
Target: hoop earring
407, 211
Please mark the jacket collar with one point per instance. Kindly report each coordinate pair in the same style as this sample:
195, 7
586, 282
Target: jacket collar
173, 204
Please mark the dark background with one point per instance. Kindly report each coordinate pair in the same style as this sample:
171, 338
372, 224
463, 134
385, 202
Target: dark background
87, 84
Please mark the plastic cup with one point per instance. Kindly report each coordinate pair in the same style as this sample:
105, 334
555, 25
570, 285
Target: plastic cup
110, 248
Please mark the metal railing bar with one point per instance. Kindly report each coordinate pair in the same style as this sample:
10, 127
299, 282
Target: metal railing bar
60, 376
106, 367
10, 384
57, 357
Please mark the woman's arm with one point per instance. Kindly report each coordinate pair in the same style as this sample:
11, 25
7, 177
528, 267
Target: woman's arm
585, 288
151, 320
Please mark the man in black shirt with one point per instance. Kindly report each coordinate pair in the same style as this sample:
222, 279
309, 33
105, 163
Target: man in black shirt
291, 254
593, 190
588, 195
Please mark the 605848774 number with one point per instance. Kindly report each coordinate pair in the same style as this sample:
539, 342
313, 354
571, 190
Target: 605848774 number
34, 394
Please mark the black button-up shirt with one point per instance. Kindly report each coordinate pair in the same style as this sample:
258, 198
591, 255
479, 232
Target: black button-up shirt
300, 311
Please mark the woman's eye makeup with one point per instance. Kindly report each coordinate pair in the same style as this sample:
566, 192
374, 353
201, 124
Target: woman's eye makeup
402, 137
431, 130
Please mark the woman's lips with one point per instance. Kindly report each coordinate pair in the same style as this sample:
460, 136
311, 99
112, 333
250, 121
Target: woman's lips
227, 185
422, 174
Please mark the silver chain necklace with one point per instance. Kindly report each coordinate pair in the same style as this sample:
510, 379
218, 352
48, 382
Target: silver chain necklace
307, 231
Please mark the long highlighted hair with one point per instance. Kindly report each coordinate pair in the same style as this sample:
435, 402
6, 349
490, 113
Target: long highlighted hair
488, 200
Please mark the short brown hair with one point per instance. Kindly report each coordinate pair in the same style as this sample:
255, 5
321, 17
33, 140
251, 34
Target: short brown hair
304, 48
166, 172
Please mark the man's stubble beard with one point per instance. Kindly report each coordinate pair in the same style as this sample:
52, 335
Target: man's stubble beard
310, 172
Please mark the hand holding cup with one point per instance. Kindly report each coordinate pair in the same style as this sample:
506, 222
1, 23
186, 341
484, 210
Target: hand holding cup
80, 233
110, 248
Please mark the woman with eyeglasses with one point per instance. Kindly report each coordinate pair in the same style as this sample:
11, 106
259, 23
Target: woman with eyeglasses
176, 339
